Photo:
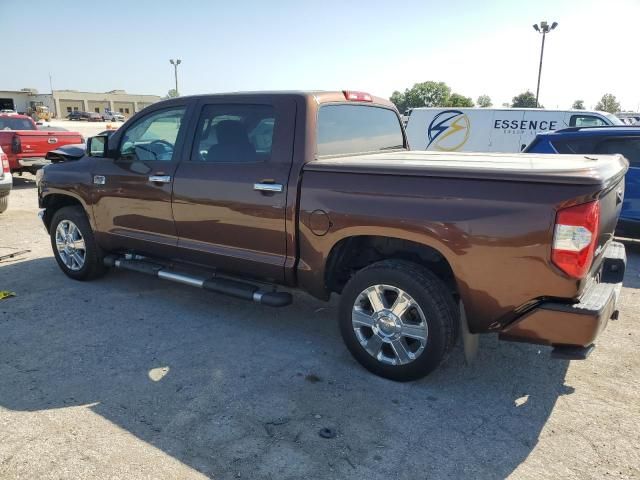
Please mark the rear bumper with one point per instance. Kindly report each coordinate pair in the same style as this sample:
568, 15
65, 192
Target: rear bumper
575, 324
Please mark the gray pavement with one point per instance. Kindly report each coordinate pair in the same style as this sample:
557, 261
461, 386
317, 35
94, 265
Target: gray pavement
133, 377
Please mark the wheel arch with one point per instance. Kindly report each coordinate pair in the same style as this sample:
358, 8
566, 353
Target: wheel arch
353, 253
53, 202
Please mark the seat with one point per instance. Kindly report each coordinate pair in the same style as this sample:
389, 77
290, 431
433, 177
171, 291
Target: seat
233, 144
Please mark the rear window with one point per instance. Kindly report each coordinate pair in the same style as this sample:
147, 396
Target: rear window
575, 145
629, 147
8, 123
346, 129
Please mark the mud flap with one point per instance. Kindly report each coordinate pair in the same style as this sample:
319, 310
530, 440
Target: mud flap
470, 341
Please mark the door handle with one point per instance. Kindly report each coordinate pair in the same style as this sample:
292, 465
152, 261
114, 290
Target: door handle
160, 178
268, 187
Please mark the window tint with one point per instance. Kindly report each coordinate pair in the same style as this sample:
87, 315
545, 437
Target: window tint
629, 147
153, 137
575, 145
8, 123
234, 134
586, 121
344, 129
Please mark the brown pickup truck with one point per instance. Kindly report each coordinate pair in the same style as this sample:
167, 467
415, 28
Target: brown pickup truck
242, 193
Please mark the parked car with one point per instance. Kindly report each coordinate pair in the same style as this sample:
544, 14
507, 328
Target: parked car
6, 181
26, 146
7, 111
76, 115
94, 117
239, 193
589, 141
113, 117
491, 129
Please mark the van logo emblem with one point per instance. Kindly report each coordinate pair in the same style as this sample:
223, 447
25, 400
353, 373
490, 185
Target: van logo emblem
52, 140
449, 130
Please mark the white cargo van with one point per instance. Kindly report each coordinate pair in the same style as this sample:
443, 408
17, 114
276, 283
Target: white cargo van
492, 129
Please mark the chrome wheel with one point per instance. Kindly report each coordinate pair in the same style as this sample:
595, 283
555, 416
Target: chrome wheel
70, 245
389, 324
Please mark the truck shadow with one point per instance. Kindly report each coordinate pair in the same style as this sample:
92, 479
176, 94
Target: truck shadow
228, 387
26, 181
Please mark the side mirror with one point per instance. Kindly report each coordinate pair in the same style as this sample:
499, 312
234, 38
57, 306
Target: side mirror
97, 146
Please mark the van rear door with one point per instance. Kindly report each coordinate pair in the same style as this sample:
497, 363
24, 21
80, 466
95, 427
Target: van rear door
506, 131
537, 121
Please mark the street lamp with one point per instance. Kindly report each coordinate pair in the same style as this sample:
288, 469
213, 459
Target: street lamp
543, 28
175, 64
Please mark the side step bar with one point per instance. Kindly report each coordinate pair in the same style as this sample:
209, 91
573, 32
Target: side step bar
226, 286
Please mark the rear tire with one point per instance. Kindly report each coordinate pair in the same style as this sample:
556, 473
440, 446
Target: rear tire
4, 203
398, 319
74, 246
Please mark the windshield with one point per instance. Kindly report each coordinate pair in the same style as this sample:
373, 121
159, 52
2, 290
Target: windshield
614, 120
9, 123
346, 129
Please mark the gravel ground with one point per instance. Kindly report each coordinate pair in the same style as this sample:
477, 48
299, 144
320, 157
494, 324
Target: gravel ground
133, 377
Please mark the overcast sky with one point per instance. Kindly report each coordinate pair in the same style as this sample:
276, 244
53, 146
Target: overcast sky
486, 47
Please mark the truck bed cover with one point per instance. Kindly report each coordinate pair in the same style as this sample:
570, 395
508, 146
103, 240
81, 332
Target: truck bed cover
573, 169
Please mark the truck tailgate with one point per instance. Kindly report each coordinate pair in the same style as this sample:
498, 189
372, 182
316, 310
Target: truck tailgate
611, 198
37, 143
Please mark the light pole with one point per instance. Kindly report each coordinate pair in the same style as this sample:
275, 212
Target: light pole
543, 28
175, 64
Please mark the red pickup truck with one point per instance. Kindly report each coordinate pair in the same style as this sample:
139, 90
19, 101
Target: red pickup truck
26, 146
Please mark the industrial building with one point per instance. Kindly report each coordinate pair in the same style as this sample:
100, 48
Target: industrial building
63, 102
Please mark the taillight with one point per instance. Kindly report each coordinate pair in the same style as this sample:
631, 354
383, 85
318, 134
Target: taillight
357, 96
16, 144
5, 162
575, 238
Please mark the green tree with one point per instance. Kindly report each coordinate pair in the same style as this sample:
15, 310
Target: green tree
427, 94
399, 101
608, 103
457, 100
173, 93
524, 100
578, 105
484, 101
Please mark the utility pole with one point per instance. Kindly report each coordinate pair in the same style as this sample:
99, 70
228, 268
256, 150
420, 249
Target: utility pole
543, 28
55, 110
175, 64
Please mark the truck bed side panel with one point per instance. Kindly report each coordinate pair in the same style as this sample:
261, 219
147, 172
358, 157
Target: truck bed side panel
496, 235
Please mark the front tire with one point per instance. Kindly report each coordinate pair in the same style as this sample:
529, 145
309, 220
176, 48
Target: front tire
398, 319
74, 246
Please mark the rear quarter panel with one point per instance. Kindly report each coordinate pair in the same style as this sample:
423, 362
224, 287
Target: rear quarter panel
495, 235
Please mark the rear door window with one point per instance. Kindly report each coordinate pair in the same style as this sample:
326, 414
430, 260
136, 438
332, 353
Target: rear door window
348, 129
234, 134
629, 147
